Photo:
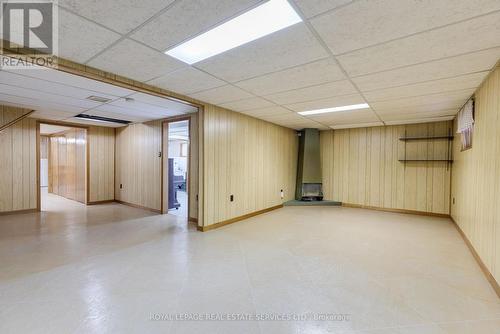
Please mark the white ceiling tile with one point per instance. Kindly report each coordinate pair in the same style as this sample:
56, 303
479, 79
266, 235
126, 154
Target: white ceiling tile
370, 22
47, 97
420, 120
247, 104
468, 81
43, 86
221, 94
177, 106
122, 16
186, 81
135, 61
322, 91
80, 39
314, 73
473, 35
438, 69
188, 18
445, 101
49, 116
289, 47
141, 109
270, 111
331, 102
417, 115
312, 8
29, 103
356, 125
121, 116
71, 80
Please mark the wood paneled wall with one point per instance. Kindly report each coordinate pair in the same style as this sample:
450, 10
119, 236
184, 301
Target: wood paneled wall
476, 178
361, 167
138, 164
248, 158
101, 163
68, 164
18, 161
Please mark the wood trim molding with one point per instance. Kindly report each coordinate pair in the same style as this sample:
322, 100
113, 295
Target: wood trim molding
237, 219
102, 202
138, 206
18, 212
14, 121
487, 273
193, 220
412, 212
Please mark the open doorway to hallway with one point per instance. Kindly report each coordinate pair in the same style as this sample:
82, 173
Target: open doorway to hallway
177, 167
63, 166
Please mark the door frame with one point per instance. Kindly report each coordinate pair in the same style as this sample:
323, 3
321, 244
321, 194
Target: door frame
164, 163
87, 157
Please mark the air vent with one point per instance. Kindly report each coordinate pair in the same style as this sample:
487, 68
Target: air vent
98, 99
102, 119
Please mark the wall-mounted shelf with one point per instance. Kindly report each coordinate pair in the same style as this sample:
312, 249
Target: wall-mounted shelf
448, 159
426, 138
412, 160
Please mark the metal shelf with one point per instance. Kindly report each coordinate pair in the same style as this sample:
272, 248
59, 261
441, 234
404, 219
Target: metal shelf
410, 160
426, 138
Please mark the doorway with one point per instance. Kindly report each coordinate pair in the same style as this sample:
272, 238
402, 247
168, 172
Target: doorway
177, 168
62, 166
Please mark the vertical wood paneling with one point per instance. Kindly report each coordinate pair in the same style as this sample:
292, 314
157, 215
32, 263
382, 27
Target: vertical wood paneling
248, 158
476, 177
17, 162
101, 163
67, 164
360, 166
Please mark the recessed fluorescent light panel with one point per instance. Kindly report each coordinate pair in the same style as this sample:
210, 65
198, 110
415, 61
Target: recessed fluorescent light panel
336, 109
263, 20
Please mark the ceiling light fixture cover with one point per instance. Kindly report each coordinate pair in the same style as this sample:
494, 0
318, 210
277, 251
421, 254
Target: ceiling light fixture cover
258, 22
335, 109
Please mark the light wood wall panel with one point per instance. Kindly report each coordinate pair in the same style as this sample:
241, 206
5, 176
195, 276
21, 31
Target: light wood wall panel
138, 164
248, 158
18, 186
476, 178
101, 163
360, 166
67, 164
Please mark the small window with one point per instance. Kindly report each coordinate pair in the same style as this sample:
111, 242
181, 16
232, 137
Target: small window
466, 124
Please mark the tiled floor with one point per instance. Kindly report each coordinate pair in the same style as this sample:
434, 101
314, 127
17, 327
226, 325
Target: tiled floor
182, 199
110, 268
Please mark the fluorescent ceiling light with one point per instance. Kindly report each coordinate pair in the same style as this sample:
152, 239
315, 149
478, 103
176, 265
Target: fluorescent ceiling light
263, 20
327, 110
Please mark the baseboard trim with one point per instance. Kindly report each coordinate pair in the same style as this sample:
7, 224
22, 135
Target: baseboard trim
18, 212
101, 202
193, 220
411, 212
237, 219
483, 267
138, 206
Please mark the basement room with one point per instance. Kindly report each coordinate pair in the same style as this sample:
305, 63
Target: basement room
250, 166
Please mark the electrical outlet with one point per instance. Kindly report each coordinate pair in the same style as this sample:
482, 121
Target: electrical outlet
121, 186
282, 194
231, 198
453, 200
